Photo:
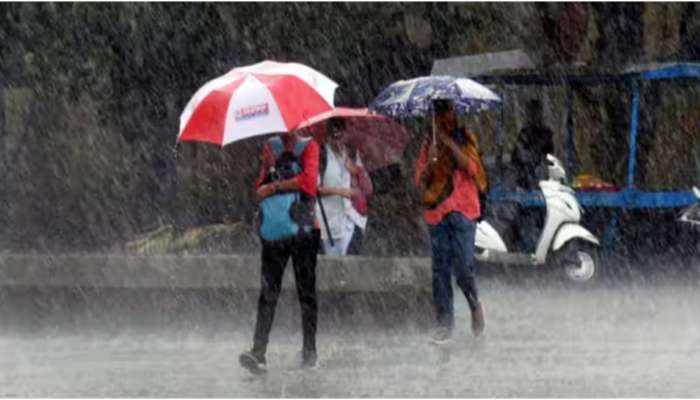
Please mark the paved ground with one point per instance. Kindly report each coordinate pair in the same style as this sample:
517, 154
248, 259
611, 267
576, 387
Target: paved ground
629, 340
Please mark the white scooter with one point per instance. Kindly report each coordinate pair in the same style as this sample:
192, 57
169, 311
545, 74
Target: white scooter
562, 240
691, 215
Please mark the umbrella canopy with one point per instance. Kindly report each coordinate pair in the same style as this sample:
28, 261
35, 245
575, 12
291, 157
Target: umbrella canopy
381, 141
412, 98
259, 99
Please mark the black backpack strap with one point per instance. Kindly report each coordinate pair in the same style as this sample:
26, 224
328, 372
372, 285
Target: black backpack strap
277, 146
322, 161
301, 146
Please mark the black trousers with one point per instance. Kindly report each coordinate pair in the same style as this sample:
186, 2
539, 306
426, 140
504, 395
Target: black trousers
356, 242
303, 251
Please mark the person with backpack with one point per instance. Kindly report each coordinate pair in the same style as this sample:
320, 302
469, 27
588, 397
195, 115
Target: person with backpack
336, 191
450, 173
286, 191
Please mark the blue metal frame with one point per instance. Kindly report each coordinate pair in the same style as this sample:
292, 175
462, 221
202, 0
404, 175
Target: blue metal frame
673, 71
631, 162
571, 161
499, 122
627, 199
630, 197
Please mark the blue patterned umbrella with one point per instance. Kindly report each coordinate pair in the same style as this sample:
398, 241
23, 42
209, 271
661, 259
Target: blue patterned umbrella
412, 98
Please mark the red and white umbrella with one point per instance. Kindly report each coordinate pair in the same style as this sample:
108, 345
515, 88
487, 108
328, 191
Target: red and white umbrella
380, 140
263, 98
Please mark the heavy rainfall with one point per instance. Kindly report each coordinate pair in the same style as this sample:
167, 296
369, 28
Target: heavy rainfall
545, 154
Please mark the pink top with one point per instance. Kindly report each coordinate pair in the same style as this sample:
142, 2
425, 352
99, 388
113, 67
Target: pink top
464, 197
362, 182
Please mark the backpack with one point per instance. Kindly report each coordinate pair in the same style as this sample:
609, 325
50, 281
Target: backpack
472, 151
285, 215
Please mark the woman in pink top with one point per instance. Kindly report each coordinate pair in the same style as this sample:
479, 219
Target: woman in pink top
452, 224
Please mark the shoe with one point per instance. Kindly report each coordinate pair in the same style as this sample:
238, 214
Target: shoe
252, 363
309, 362
478, 322
442, 335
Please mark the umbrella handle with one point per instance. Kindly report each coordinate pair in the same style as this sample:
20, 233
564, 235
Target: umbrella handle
434, 136
325, 220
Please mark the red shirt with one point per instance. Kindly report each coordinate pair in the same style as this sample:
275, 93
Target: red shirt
308, 177
464, 197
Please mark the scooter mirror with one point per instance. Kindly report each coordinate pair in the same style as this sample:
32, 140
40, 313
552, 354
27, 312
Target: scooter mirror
691, 215
555, 168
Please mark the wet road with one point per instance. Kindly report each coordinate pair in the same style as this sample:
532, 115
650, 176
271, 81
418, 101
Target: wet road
632, 340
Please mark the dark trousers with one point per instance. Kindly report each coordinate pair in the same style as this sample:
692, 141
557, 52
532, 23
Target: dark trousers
452, 243
356, 242
304, 251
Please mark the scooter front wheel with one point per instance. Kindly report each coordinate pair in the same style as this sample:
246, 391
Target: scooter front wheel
579, 261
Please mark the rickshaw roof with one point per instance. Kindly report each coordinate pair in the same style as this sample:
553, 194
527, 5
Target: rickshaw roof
586, 75
629, 197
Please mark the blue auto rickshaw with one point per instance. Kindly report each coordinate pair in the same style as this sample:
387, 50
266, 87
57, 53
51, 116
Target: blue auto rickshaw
628, 215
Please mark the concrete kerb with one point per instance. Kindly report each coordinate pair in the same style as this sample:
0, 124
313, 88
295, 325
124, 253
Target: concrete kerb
116, 292
236, 272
